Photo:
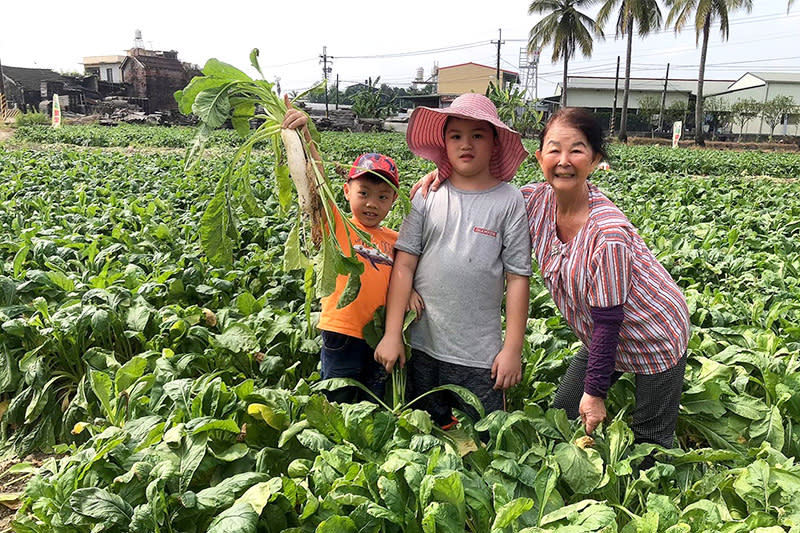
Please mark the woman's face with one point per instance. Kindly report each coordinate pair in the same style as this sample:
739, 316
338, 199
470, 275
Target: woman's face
566, 158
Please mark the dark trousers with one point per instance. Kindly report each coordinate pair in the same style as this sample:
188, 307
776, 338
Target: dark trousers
426, 373
657, 399
343, 356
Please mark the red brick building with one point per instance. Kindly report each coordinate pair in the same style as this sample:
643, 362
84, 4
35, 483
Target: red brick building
153, 76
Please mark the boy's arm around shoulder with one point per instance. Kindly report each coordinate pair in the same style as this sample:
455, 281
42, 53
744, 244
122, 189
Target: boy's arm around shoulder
507, 366
391, 348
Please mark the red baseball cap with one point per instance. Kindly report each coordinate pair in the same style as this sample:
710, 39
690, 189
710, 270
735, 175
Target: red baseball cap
377, 163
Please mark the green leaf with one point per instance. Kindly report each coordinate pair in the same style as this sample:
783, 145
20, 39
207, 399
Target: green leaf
213, 106
129, 373
247, 304
293, 257
240, 118
61, 280
337, 524
187, 96
327, 418
216, 226
770, 429
99, 504
510, 512
226, 491
240, 518
19, 259
138, 316
284, 185
201, 425
581, 469
103, 389
350, 292
273, 416
260, 494
218, 69
254, 60
325, 267
237, 338
191, 455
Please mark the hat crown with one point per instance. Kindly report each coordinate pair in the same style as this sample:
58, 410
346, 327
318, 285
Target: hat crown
375, 162
474, 104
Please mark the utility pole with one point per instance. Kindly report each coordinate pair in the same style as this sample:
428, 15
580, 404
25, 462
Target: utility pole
499, 41
663, 101
324, 58
337, 91
614, 107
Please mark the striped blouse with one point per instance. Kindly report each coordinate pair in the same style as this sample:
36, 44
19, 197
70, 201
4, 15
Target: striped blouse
607, 264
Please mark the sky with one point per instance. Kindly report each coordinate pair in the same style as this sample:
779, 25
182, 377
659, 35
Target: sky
371, 38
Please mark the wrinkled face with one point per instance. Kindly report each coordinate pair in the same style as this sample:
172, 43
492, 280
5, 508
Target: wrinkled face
566, 157
370, 202
470, 145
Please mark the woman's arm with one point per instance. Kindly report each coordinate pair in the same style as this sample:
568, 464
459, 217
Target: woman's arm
600, 367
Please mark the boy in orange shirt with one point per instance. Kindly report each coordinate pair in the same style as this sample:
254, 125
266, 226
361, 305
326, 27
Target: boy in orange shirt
345, 353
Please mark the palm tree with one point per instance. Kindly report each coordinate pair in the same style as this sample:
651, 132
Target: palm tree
566, 28
646, 15
705, 12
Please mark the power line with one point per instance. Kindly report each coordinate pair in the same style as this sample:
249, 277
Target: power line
421, 52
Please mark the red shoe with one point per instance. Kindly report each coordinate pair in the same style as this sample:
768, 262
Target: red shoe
450, 425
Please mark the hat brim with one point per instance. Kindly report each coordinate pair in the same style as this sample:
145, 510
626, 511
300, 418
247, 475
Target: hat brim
425, 138
389, 177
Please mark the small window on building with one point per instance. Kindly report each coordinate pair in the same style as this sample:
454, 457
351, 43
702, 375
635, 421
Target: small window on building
109, 74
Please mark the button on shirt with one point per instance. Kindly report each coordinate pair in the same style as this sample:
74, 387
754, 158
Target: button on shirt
607, 264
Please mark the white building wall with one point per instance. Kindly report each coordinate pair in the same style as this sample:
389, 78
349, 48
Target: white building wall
761, 94
600, 98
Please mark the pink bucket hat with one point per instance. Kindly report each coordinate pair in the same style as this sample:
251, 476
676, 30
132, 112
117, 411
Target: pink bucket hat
425, 135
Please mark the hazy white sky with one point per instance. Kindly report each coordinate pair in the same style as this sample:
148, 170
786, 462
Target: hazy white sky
291, 36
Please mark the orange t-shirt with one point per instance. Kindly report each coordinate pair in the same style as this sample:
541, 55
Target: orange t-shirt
377, 259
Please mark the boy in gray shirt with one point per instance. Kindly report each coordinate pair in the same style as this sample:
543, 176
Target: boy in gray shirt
458, 247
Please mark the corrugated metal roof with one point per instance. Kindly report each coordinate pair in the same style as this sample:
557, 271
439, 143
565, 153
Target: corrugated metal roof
648, 84
32, 78
778, 77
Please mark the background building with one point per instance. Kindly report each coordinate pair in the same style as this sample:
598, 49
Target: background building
106, 68
472, 78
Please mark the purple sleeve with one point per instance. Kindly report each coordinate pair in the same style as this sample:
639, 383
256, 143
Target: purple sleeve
603, 349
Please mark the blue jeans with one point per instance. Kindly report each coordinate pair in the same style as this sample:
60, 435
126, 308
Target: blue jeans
343, 356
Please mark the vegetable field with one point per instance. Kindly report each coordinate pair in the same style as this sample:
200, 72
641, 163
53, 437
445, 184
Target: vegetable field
184, 397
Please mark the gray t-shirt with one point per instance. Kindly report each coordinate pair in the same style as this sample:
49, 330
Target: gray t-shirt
466, 242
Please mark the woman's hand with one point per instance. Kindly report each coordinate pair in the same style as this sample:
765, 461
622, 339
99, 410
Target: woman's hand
592, 410
429, 181
415, 303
